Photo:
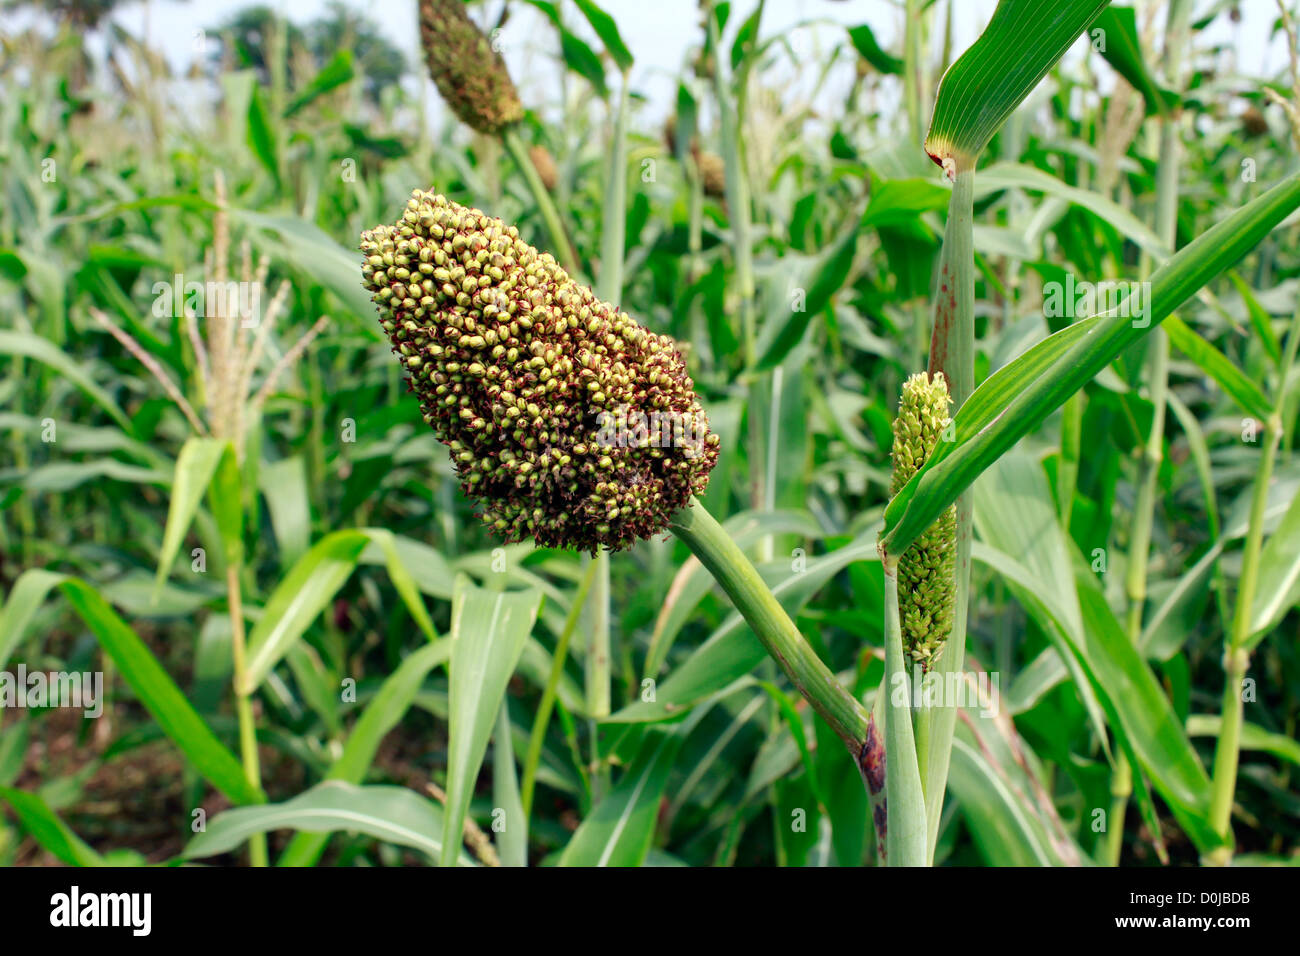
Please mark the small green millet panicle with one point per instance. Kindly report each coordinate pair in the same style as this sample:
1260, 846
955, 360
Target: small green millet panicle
926, 583
521, 371
470, 75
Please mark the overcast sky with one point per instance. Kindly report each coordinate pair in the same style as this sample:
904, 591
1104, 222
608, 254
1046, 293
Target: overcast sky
658, 32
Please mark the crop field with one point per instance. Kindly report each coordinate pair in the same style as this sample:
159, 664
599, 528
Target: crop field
849, 434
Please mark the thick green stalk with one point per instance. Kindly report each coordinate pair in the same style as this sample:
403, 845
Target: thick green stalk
564, 252
257, 854
772, 626
907, 830
952, 351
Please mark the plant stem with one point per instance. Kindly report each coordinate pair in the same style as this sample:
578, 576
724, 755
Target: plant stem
597, 674
1236, 658
952, 351
257, 854
564, 252
772, 626
741, 215
532, 759
609, 288
907, 834
1135, 581
912, 68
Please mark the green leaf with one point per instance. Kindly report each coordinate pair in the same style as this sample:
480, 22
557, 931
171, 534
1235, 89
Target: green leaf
159, 694
305, 591
1212, 362
512, 837
576, 54
317, 255
1260, 320
1253, 737
25, 598
391, 814
864, 41
583, 61
746, 36
32, 346
284, 486
381, 715
906, 837
402, 580
1123, 50
1021, 394
817, 278
1023, 40
620, 828
488, 630
195, 467
262, 135
1015, 514
1278, 589
607, 30
1136, 704
332, 75
48, 830
1001, 176
896, 202
1002, 819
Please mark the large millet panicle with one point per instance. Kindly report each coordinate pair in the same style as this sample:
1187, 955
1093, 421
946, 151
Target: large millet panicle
926, 585
470, 75
525, 375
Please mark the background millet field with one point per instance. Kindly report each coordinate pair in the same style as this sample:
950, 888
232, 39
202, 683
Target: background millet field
218, 493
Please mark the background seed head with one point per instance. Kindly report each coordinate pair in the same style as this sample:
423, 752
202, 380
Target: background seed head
926, 585
471, 76
544, 163
514, 364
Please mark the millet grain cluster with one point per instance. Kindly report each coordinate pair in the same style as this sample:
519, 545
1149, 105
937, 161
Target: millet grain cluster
514, 364
926, 585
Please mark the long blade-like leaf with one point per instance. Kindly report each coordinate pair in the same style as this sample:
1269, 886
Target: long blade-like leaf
619, 830
195, 466
1023, 40
392, 814
1023, 393
381, 715
488, 630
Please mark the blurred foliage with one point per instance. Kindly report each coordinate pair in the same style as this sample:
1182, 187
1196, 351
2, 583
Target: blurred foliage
110, 190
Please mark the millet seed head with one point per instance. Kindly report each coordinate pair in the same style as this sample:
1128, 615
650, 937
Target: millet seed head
524, 374
926, 583
470, 75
